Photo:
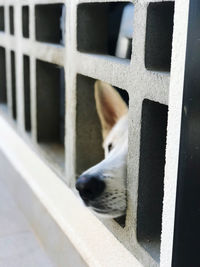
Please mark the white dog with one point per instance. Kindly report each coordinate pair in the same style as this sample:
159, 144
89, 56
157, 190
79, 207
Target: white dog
103, 186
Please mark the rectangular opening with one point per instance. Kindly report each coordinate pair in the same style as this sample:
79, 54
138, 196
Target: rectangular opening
13, 83
105, 28
151, 175
2, 19
3, 89
50, 23
11, 18
88, 130
25, 21
27, 104
51, 109
159, 30
89, 140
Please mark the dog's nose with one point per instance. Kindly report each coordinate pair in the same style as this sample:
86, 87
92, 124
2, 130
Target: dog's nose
90, 187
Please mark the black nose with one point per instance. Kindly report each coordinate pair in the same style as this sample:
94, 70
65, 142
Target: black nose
89, 187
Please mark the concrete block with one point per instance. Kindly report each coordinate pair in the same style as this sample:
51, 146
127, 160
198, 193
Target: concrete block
61, 56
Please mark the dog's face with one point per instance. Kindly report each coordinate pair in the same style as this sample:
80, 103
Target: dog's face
103, 186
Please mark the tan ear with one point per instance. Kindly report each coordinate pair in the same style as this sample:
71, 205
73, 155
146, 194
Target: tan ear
110, 106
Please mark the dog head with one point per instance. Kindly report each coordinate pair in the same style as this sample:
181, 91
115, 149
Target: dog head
103, 186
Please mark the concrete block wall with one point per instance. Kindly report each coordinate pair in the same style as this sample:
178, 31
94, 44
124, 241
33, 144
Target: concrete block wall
46, 92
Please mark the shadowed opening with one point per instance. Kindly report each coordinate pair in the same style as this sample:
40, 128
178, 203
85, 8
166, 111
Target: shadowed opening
11, 17
2, 19
151, 175
27, 104
25, 21
50, 23
50, 87
3, 87
105, 28
13, 83
159, 31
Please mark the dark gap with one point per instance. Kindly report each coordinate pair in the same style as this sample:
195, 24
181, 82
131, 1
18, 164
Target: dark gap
25, 21
124, 94
2, 19
11, 17
105, 28
50, 23
159, 31
50, 102
121, 221
89, 139
13, 82
151, 175
3, 85
27, 101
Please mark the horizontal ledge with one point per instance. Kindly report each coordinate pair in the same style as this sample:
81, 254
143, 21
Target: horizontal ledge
45, 51
113, 59
120, 73
48, 52
104, 67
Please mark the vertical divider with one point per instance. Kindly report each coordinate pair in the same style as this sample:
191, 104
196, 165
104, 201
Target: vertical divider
33, 74
33, 98
8, 63
31, 22
70, 74
6, 19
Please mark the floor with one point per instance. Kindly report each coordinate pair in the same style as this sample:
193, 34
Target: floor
18, 245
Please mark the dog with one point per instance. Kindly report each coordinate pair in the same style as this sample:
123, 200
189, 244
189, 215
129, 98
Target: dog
103, 186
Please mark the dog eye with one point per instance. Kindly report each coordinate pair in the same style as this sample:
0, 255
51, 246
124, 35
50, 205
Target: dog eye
110, 146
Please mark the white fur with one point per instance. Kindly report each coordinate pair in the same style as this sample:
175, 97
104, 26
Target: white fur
113, 170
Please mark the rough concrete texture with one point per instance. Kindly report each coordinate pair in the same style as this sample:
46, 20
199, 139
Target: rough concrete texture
145, 77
